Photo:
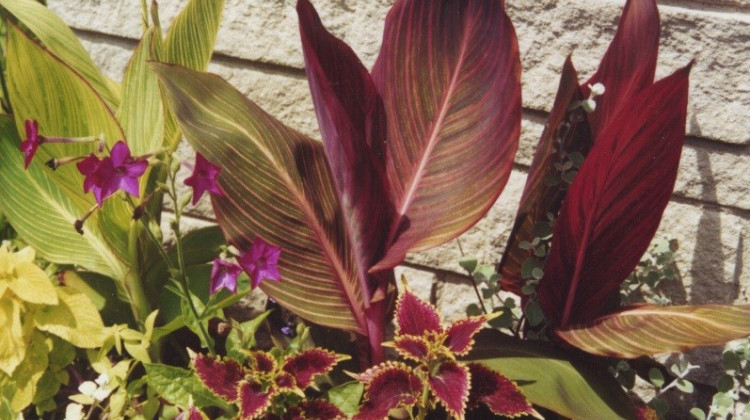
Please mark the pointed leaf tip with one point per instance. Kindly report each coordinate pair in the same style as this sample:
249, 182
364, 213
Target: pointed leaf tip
415, 316
309, 364
253, 400
450, 384
388, 386
497, 392
461, 334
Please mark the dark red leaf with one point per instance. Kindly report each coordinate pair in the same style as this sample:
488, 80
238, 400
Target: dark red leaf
411, 347
263, 362
415, 316
284, 381
450, 384
253, 400
220, 377
566, 131
314, 410
629, 64
351, 119
449, 75
497, 392
615, 203
461, 334
388, 386
305, 366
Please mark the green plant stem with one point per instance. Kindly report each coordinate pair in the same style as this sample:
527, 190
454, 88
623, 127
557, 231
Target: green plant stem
422, 414
133, 284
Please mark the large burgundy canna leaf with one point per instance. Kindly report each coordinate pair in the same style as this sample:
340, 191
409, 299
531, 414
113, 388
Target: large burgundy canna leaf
276, 181
615, 203
629, 64
566, 132
351, 119
449, 75
648, 330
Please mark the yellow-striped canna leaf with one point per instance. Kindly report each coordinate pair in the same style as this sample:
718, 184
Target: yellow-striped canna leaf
141, 112
56, 36
43, 213
647, 330
277, 186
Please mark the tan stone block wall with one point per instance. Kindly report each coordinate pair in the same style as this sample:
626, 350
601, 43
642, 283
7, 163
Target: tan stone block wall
258, 51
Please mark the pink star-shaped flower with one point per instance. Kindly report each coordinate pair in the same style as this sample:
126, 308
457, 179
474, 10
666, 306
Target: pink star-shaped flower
224, 276
203, 178
32, 142
119, 171
260, 262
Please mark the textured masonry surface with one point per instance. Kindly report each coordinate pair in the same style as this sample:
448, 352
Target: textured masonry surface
258, 52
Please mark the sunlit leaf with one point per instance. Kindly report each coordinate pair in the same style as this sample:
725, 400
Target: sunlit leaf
449, 75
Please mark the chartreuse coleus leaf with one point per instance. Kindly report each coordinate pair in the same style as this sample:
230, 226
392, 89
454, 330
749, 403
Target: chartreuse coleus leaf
74, 319
552, 378
61, 41
26, 194
284, 178
449, 75
30, 371
648, 330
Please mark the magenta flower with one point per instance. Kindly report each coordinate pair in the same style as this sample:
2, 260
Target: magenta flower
32, 142
203, 178
119, 171
224, 275
260, 262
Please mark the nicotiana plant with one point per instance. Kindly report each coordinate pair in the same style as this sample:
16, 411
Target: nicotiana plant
414, 153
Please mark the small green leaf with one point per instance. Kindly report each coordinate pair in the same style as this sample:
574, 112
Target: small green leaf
473, 310
242, 336
725, 383
176, 385
656, 377
469, 264
731, 360
685, 386
347, 397
698, 414
534, 313
661, 406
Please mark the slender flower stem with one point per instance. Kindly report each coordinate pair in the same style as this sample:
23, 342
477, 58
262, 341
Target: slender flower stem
473, 280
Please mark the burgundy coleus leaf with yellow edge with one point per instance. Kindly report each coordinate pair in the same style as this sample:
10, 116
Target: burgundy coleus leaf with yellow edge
414, 316
314, 410
412, 347
388, 386
253, 400
566, 132
222, 377
646, 330
449, 75
615, 204
450, 384
352, 123
501, 395
308, 364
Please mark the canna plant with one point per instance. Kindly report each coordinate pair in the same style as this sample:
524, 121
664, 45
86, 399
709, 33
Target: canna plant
390, 176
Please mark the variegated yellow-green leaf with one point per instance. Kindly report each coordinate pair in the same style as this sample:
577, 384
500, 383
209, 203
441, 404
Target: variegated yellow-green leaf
24, 195
190, 43
75, 319
141, 112
12, 345
276, 181
61, 41
29, 372
649, 330
32, 285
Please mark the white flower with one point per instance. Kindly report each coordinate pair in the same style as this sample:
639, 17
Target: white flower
589, 105
96, 390
87, 388
102, 380
74, 412
597, 89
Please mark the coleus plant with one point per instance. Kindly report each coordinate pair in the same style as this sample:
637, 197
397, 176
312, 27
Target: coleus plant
440, 110
609, 213
268, 384
437, 376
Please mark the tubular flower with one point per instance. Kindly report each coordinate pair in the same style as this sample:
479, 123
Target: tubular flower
260, 262
119, 171
224, 276
203, 178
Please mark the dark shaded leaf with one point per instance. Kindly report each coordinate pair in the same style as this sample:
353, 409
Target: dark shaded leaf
497, 392
450, 385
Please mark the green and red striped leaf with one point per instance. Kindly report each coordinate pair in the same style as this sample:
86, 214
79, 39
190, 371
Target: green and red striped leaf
351, 119
449, 75
648, 330
629, 64
566, 132
615, 204
276, 181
